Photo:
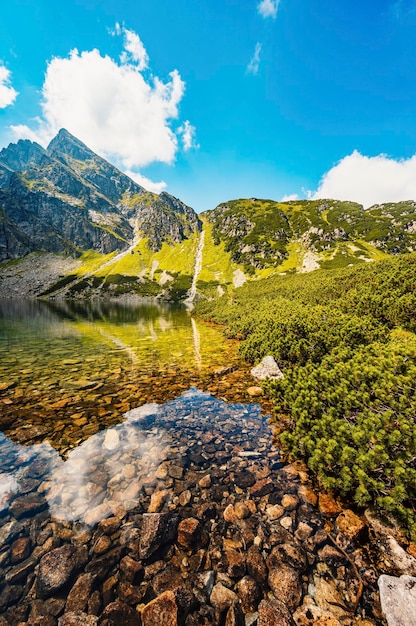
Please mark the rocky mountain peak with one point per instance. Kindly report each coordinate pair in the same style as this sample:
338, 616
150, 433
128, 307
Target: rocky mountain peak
23, 154
66, 144
67, 199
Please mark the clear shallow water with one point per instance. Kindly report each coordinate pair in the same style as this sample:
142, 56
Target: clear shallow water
113, 468
70, 369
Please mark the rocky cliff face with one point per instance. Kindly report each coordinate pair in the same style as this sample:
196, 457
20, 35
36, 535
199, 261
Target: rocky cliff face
67, 199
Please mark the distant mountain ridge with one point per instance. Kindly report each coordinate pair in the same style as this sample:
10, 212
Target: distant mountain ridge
73, 225
261, 234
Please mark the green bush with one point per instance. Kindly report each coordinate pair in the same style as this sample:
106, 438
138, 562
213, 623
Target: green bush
353, 418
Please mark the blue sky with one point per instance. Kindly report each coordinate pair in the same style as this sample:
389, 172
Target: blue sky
215, 100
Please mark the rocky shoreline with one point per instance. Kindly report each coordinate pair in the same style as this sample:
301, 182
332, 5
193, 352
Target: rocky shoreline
201, 524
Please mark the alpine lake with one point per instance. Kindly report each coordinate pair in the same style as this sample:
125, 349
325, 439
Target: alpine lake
140, 484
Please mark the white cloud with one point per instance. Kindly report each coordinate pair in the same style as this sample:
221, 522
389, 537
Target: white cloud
289, 197
369, 180
111, 106
268, 8
7, 94
134, 50
253, 66
145, 182
188, 133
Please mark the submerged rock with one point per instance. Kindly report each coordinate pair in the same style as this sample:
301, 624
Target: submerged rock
162, 611
158, 530
56, 568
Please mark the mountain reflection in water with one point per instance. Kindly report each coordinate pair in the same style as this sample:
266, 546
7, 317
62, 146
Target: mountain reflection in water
70, 369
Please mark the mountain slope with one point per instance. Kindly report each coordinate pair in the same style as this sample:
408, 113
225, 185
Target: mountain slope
306, 234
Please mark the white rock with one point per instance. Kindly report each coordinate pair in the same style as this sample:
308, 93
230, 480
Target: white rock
398, 599
268, 368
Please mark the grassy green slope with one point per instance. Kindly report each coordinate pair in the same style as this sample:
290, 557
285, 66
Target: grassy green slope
303, 235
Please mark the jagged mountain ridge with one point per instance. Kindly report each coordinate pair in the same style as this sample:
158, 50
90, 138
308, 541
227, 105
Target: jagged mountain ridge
66, 199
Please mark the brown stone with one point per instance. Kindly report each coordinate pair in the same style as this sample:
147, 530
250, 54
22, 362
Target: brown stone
168, 579
249, 593
222, 598
21, 571
28, 504
328, 505
78, 618
303, 531
242, 510
158, 529
176, 471
110, 525
244, 479
289, 553
94, 603
411, 549
131, 569
120, 613
20, 550
102, 545
56, 568
290, 502
274, 512
185, 497
162, 611
307, 495
109, 588
235, 616
130, 594
101, 565
229, 514
188, 532
236, 563
255, 391
262, 487
274, 613
78, 596
205, 481
328, 597
157, 501
350, 525
256, 567
286, 586
311, 615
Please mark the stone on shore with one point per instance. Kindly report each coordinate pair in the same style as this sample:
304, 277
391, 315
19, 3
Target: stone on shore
267, 368
398, 599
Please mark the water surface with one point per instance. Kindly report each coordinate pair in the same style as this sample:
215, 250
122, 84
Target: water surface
70, 369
